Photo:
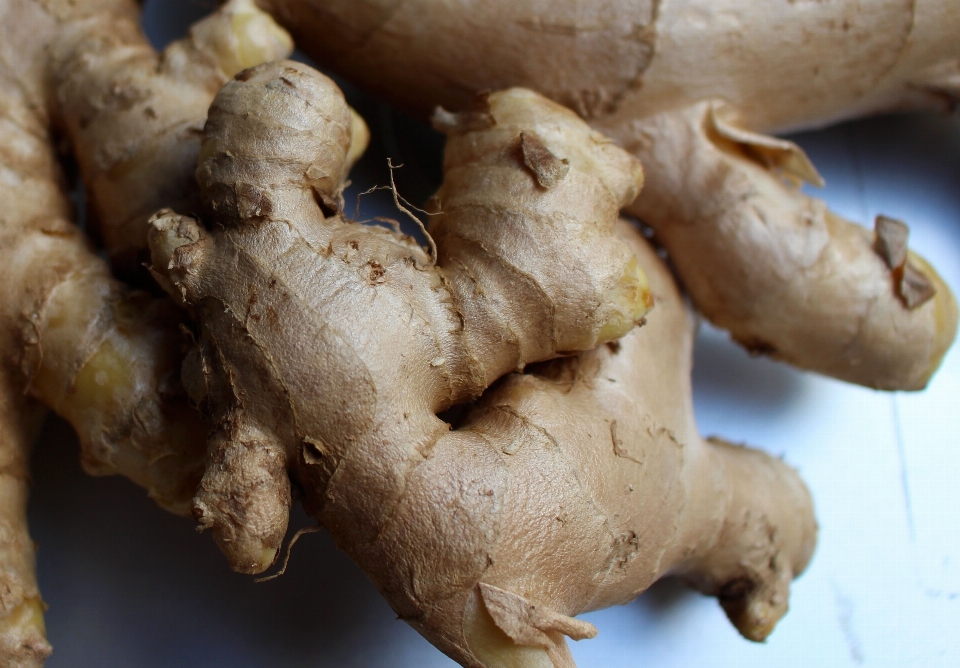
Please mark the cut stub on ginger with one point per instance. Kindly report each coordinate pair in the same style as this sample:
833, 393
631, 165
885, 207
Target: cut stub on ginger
527, 623
910, 282
504, 629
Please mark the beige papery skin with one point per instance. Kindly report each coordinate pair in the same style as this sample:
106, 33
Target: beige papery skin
327, 350
73, 338
688, 86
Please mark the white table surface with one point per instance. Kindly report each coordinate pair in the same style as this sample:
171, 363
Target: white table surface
129, 585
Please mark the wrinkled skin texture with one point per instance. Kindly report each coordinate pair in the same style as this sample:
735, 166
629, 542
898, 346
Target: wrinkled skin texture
784, 64
326, 350
490, 301
688, 86
73, 337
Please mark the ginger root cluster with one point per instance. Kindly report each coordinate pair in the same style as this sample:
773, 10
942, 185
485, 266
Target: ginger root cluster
304, 355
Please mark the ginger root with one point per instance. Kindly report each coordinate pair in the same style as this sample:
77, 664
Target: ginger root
134, 117
688, 86
327, 350
487, 300
103, 357
74, 338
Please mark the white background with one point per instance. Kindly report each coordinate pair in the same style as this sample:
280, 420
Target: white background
129, 585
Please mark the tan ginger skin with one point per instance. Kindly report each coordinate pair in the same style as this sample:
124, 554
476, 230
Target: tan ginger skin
327, 349
74, 338
688, 86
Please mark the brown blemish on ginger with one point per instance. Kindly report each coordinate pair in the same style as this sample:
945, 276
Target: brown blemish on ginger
910, 283
547, 168
915, 288
891, 240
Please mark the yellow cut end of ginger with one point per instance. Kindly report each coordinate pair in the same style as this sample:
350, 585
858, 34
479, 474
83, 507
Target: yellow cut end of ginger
257, 36
494, 647
267, 556
359, 138
630, 299
102, 380
26, 616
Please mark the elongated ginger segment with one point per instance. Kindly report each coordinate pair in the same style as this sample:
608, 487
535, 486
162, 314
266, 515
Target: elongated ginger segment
33, 238
782, 64
71, 340
31, 211
787, 277
328, 349
23, 642
784, 275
